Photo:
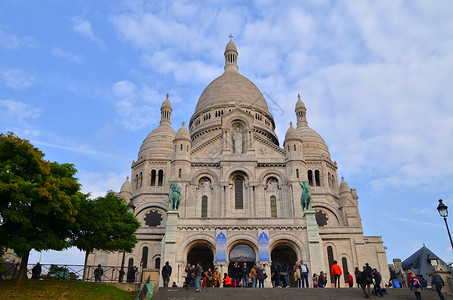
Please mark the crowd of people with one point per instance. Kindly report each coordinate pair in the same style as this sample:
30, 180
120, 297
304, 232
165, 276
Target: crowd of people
241, 275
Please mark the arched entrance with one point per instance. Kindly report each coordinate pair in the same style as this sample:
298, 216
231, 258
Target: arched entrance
286, 256
242, 254
203, 254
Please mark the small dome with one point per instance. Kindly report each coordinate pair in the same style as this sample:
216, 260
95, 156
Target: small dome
231, 46
166, 103
299, 105
344, 187
159, 142
126, 187
313, 144
291, 134
183, 133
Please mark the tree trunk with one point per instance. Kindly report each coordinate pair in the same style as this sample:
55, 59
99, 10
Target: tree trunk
84, 277
23, 267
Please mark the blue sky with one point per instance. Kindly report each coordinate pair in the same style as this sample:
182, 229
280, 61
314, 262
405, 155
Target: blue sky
84, 81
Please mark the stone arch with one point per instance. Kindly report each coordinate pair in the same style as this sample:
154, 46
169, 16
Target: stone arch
204, 173
196, 239
200, 250
155, 205
149, 253
239, 168
273, 243
272, 172
243, 239
331, 209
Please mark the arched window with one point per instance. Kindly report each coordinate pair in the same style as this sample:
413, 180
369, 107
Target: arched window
295, 149
273, 207
329, 179
333, 181
145, 257
330, 258
140, 179
130, 263
297, 173
179, 173
157, 263
345, 268
317, 178
136, 181
310, 177
181, 147
160, 177
238, 193
153, 177
204, 207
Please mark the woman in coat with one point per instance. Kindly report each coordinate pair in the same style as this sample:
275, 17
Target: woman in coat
416, 287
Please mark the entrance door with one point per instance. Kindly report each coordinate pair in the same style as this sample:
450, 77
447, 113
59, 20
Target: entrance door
241, 254
286, 256
202, 254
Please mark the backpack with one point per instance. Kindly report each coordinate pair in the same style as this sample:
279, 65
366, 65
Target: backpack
416, 283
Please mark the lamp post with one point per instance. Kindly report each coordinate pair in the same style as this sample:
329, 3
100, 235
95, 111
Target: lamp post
443, 212
121, 277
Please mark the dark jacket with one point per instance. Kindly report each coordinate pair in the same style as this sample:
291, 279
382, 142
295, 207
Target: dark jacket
198, 271
377, 277
245, 271
235, 271
166, 270
437, 280
366, 276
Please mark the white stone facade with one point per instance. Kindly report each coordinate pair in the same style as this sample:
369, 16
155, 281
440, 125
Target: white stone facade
235, 178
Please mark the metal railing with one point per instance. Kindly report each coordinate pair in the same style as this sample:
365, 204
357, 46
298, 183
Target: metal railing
66, 272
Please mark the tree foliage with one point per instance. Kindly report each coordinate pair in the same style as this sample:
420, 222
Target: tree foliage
105, 224
38, 199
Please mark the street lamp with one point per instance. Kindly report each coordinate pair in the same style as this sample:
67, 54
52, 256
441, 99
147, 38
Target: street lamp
443, 212
121, 277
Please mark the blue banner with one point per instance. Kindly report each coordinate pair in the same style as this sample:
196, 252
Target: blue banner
220, 245
263, 243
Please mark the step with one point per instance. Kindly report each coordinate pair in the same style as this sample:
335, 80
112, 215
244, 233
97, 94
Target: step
285, 294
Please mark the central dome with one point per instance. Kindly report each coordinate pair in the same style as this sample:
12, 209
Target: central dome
228, 89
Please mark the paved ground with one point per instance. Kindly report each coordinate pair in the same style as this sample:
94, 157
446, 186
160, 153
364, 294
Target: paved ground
284, 294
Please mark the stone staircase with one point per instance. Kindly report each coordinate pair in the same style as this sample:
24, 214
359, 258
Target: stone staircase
285, 294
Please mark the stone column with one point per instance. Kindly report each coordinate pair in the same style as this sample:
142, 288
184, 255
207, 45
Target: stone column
169, 244
315, 249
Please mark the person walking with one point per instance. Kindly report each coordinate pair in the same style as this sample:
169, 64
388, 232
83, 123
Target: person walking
278, 271
98, 272
36, 271
358, 277
366, 281
166, 273
188, 275
416, 287
304, 274
438, 283
393, 278
336, 272
198, 272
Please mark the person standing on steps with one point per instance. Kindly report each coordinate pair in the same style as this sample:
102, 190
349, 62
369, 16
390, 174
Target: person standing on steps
166, 273
336, 272
304, 274
198, 272
438, 283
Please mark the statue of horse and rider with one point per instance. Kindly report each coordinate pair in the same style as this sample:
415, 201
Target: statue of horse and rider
175, 196
305, 199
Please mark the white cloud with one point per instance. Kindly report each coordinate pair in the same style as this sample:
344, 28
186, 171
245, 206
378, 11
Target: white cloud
99, 183
135, 106
18, 110
11, 41
84, 28
58, 52
16, 79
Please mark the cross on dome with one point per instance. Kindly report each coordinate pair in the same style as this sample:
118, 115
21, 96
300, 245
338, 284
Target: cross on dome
231, 37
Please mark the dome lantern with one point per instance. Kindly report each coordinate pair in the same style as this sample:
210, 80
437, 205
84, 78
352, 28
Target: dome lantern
165, 111
301, 112
231, 56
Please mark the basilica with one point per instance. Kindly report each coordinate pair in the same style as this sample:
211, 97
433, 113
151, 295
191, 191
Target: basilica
240, 190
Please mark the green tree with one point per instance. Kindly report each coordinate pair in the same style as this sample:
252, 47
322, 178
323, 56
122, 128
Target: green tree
105, 224
38, 200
